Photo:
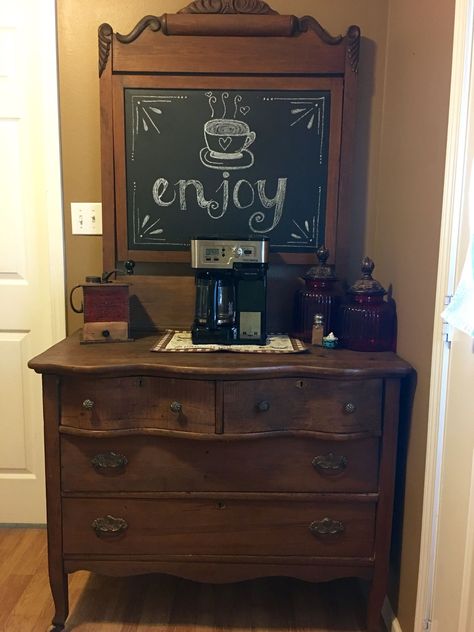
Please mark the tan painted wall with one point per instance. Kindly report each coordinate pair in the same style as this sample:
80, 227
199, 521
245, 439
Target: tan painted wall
404, 239
401, 128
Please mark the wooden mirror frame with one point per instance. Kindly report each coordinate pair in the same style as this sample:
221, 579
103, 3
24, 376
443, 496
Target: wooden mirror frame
226, 44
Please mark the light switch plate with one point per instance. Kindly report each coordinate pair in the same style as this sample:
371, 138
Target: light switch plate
86, 218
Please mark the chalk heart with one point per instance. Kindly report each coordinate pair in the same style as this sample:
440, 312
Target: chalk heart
225, 142
226, 139
245, 109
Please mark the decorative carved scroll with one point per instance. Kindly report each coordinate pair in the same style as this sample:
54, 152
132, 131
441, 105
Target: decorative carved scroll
156, 23
307, 22
105, 42
149, 21
353, 35
229, 6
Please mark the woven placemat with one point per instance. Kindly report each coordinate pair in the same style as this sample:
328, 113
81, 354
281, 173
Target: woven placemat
174, 341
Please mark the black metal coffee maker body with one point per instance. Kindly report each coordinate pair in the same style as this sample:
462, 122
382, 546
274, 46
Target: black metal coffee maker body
231, 290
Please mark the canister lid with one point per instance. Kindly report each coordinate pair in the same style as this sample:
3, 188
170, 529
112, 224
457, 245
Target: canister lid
323, 270
366, 284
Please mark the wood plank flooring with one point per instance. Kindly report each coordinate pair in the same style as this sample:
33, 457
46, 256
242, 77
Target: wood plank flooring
160, 603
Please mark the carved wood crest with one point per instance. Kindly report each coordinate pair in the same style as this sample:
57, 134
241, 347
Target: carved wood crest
229, 6
235, 7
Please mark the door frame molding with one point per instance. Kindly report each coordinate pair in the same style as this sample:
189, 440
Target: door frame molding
453, 201
52, 169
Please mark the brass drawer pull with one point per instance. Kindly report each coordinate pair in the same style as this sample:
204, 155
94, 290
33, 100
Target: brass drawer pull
88, 404
330, 463
326, 526
176, 407
109, 462
349, 408
108, 526
263, 406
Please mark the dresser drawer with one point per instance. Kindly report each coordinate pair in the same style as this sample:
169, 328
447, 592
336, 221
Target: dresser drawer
217, 527
333, 406
273, 464
137, 402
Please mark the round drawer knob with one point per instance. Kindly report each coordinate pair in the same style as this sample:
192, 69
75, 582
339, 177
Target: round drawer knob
349, 408
176, 407
88, 404
263, 406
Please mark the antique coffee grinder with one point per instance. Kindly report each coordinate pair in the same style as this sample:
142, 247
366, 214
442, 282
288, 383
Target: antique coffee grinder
231, 290
105, 308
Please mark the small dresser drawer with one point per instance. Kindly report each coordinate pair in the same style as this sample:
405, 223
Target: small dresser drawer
138, 402
217, 527
163, 464
333, 406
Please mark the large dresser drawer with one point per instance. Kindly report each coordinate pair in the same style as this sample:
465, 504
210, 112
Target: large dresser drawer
217, 527
144, 463
333, 406
136, 402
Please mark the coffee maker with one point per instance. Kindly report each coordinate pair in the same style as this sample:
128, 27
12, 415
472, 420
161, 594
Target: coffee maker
231, 290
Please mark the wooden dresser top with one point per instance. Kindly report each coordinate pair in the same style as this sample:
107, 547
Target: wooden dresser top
132, 358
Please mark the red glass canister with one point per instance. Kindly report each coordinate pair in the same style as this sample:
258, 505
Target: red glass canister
319, 296
368, 322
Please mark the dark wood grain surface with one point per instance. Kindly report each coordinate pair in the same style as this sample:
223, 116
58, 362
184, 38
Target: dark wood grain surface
138, 402
223, 526
272, 464
334, 406
135, 358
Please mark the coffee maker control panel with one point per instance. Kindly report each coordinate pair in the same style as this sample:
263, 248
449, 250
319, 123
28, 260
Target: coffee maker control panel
224, 253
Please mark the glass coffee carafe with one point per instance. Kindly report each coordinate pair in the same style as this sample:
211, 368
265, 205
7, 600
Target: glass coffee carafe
215, 300
224, 301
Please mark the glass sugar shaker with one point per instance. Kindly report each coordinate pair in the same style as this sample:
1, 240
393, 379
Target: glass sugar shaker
368, 322
317, 332
319, 296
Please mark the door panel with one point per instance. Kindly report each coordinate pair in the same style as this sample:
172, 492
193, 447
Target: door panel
31, 268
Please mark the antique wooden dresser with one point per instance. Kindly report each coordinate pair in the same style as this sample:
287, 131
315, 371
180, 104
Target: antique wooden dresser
219, 467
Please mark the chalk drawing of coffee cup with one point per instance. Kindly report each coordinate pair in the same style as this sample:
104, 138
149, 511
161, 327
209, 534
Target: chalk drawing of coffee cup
228, 139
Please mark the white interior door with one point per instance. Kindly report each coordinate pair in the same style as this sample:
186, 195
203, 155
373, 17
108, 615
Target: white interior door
453, 585
31, 251
453, 595
446, 579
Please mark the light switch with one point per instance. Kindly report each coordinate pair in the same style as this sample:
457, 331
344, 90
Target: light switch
86, 218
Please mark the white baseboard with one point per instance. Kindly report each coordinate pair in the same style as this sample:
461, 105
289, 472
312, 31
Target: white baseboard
389, 618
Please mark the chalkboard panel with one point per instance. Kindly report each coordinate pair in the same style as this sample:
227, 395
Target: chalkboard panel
234, 162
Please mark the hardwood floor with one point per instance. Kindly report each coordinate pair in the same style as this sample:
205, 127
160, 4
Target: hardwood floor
161, 603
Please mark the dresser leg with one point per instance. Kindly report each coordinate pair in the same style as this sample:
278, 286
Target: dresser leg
374, 609
59, 590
